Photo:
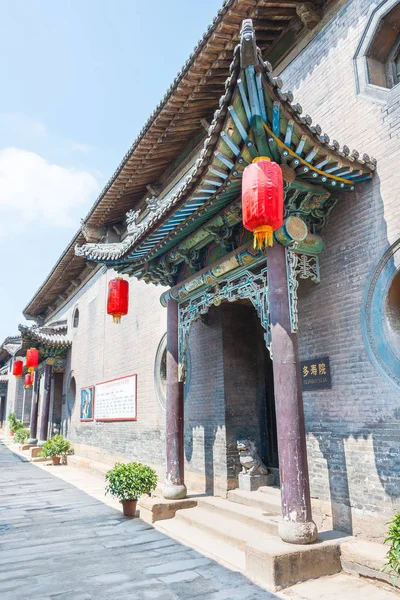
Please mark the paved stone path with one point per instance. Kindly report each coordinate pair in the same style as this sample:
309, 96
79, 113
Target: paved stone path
59, 543
61, 539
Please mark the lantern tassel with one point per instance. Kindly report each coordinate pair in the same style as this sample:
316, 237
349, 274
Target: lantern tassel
263, 237
31, 369
117, 318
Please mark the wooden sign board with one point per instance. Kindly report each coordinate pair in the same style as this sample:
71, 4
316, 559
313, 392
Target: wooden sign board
316, 374
116, 399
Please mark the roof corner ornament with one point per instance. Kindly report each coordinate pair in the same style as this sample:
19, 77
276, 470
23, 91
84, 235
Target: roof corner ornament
152, 203
92, 234
309, 14
248, 46
131, 218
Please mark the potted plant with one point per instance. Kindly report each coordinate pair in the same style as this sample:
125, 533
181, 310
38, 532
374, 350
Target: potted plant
56, 447
128, 481
392, 565
21, 435
13, 423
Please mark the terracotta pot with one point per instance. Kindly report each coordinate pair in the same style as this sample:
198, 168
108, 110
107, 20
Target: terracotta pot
129, 508
12, 433
56, 460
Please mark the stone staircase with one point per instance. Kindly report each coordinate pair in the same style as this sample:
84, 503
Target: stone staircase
241, 532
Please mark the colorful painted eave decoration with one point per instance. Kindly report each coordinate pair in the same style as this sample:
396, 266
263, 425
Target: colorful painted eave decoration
255, 118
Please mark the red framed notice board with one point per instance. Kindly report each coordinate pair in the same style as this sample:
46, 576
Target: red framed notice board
116, 400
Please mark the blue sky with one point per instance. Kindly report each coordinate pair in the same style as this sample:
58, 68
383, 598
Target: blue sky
78, 81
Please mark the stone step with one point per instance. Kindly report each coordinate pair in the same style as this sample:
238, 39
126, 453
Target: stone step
221, 526
268, 561
82, 462
267, 499
205, 543
249, 515
367, 559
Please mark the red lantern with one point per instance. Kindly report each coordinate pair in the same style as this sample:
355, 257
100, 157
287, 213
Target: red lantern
28, 380
18, 368
118, 298
32, 359
262, 200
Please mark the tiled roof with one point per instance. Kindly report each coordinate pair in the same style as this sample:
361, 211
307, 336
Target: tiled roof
291, 133
31, 334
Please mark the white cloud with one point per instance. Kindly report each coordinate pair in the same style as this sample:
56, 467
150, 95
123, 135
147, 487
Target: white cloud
32, 189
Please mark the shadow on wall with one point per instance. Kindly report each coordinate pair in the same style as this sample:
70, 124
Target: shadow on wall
357, 423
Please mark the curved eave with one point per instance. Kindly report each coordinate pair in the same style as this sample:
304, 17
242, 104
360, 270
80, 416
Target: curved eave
255, 118
32, 337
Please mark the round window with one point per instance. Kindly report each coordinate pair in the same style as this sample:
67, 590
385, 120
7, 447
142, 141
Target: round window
381, 314
160, 372
392, 314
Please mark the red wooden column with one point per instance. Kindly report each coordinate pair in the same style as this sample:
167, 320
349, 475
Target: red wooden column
297, 526
44, 419
174, 488
34, 410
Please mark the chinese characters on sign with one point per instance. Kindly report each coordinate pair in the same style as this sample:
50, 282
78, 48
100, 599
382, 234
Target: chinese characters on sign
316, 374
116, 400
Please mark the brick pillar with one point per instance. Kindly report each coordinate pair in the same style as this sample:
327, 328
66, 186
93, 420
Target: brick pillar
34, 410
44, 421
174, 488
297, 526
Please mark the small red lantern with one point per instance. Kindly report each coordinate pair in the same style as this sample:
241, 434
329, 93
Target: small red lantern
118, 298
32, 359
28, 380
262, 200
18, 368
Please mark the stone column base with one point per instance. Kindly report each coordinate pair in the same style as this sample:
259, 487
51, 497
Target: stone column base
174, 492
251, 483
298, 533
32, 442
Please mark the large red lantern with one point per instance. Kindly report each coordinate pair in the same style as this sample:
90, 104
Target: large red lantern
32, 359
118, 298
28, 380
18, 368
262, 200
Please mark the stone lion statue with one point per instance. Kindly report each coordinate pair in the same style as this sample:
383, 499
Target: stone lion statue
250, 461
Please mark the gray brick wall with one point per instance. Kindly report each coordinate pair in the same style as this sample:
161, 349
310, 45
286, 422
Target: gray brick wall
101, 351
354, 429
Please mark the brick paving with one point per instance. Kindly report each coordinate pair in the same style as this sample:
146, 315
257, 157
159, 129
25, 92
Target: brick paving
59, 543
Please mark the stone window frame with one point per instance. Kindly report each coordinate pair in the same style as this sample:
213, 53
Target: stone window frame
364, 87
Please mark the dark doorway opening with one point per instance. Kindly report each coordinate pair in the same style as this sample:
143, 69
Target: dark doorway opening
268, 434
249, 385
3, 406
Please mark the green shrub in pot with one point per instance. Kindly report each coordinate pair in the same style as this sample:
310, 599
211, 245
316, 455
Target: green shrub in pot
392, 565
21, 435
13, 423
55, 447
128, 481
